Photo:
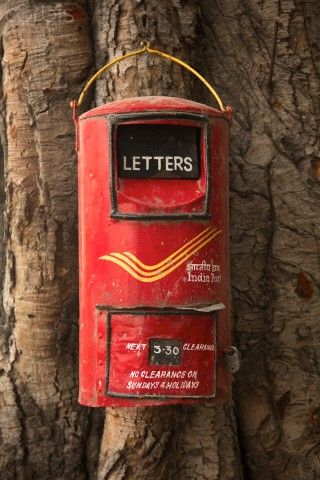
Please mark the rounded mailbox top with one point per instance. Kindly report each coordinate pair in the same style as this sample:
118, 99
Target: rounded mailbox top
156, 103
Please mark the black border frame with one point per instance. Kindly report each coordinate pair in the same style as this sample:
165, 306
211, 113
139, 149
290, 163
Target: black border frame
154, 311
114, 120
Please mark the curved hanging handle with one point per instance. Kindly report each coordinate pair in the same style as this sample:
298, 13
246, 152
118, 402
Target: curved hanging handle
147, 49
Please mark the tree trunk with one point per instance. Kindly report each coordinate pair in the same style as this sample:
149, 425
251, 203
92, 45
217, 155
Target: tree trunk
46, 54
264, 59
172, 442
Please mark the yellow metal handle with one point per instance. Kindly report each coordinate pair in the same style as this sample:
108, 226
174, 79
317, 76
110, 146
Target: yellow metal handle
147, 49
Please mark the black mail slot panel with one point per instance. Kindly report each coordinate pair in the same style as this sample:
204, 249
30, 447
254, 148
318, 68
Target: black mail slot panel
158, 151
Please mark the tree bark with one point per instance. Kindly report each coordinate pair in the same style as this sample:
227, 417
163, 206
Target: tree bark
46, 54
266, 58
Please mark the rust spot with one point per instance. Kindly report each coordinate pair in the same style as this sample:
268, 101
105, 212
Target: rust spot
76, 13
283, 402
304, 288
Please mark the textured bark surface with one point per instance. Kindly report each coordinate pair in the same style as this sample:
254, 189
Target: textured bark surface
264, 59
46, 54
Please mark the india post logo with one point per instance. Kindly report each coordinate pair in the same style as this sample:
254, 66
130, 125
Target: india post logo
152, 273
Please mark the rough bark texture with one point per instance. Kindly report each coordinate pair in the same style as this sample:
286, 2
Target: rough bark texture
46, 54
264, 58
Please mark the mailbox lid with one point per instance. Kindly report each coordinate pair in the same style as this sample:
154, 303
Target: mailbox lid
154, 104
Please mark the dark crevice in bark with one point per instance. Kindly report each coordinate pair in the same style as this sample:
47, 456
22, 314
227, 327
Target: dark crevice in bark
28, 474
273, 57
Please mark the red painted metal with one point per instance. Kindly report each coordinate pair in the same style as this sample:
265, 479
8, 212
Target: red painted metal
126, 297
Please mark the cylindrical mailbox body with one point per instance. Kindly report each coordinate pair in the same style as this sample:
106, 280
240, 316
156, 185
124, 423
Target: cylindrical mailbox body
154, 253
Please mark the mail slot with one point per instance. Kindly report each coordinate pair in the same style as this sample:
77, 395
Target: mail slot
158, 151
154, 253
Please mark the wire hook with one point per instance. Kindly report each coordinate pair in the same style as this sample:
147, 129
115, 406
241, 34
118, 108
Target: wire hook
145, 47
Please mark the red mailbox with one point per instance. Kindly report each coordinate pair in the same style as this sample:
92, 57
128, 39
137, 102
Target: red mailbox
154, 252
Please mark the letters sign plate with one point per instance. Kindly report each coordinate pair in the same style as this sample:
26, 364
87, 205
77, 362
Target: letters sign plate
144, 361
158, 151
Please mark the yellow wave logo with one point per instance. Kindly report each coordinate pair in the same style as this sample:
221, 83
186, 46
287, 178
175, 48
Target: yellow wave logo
151, 273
